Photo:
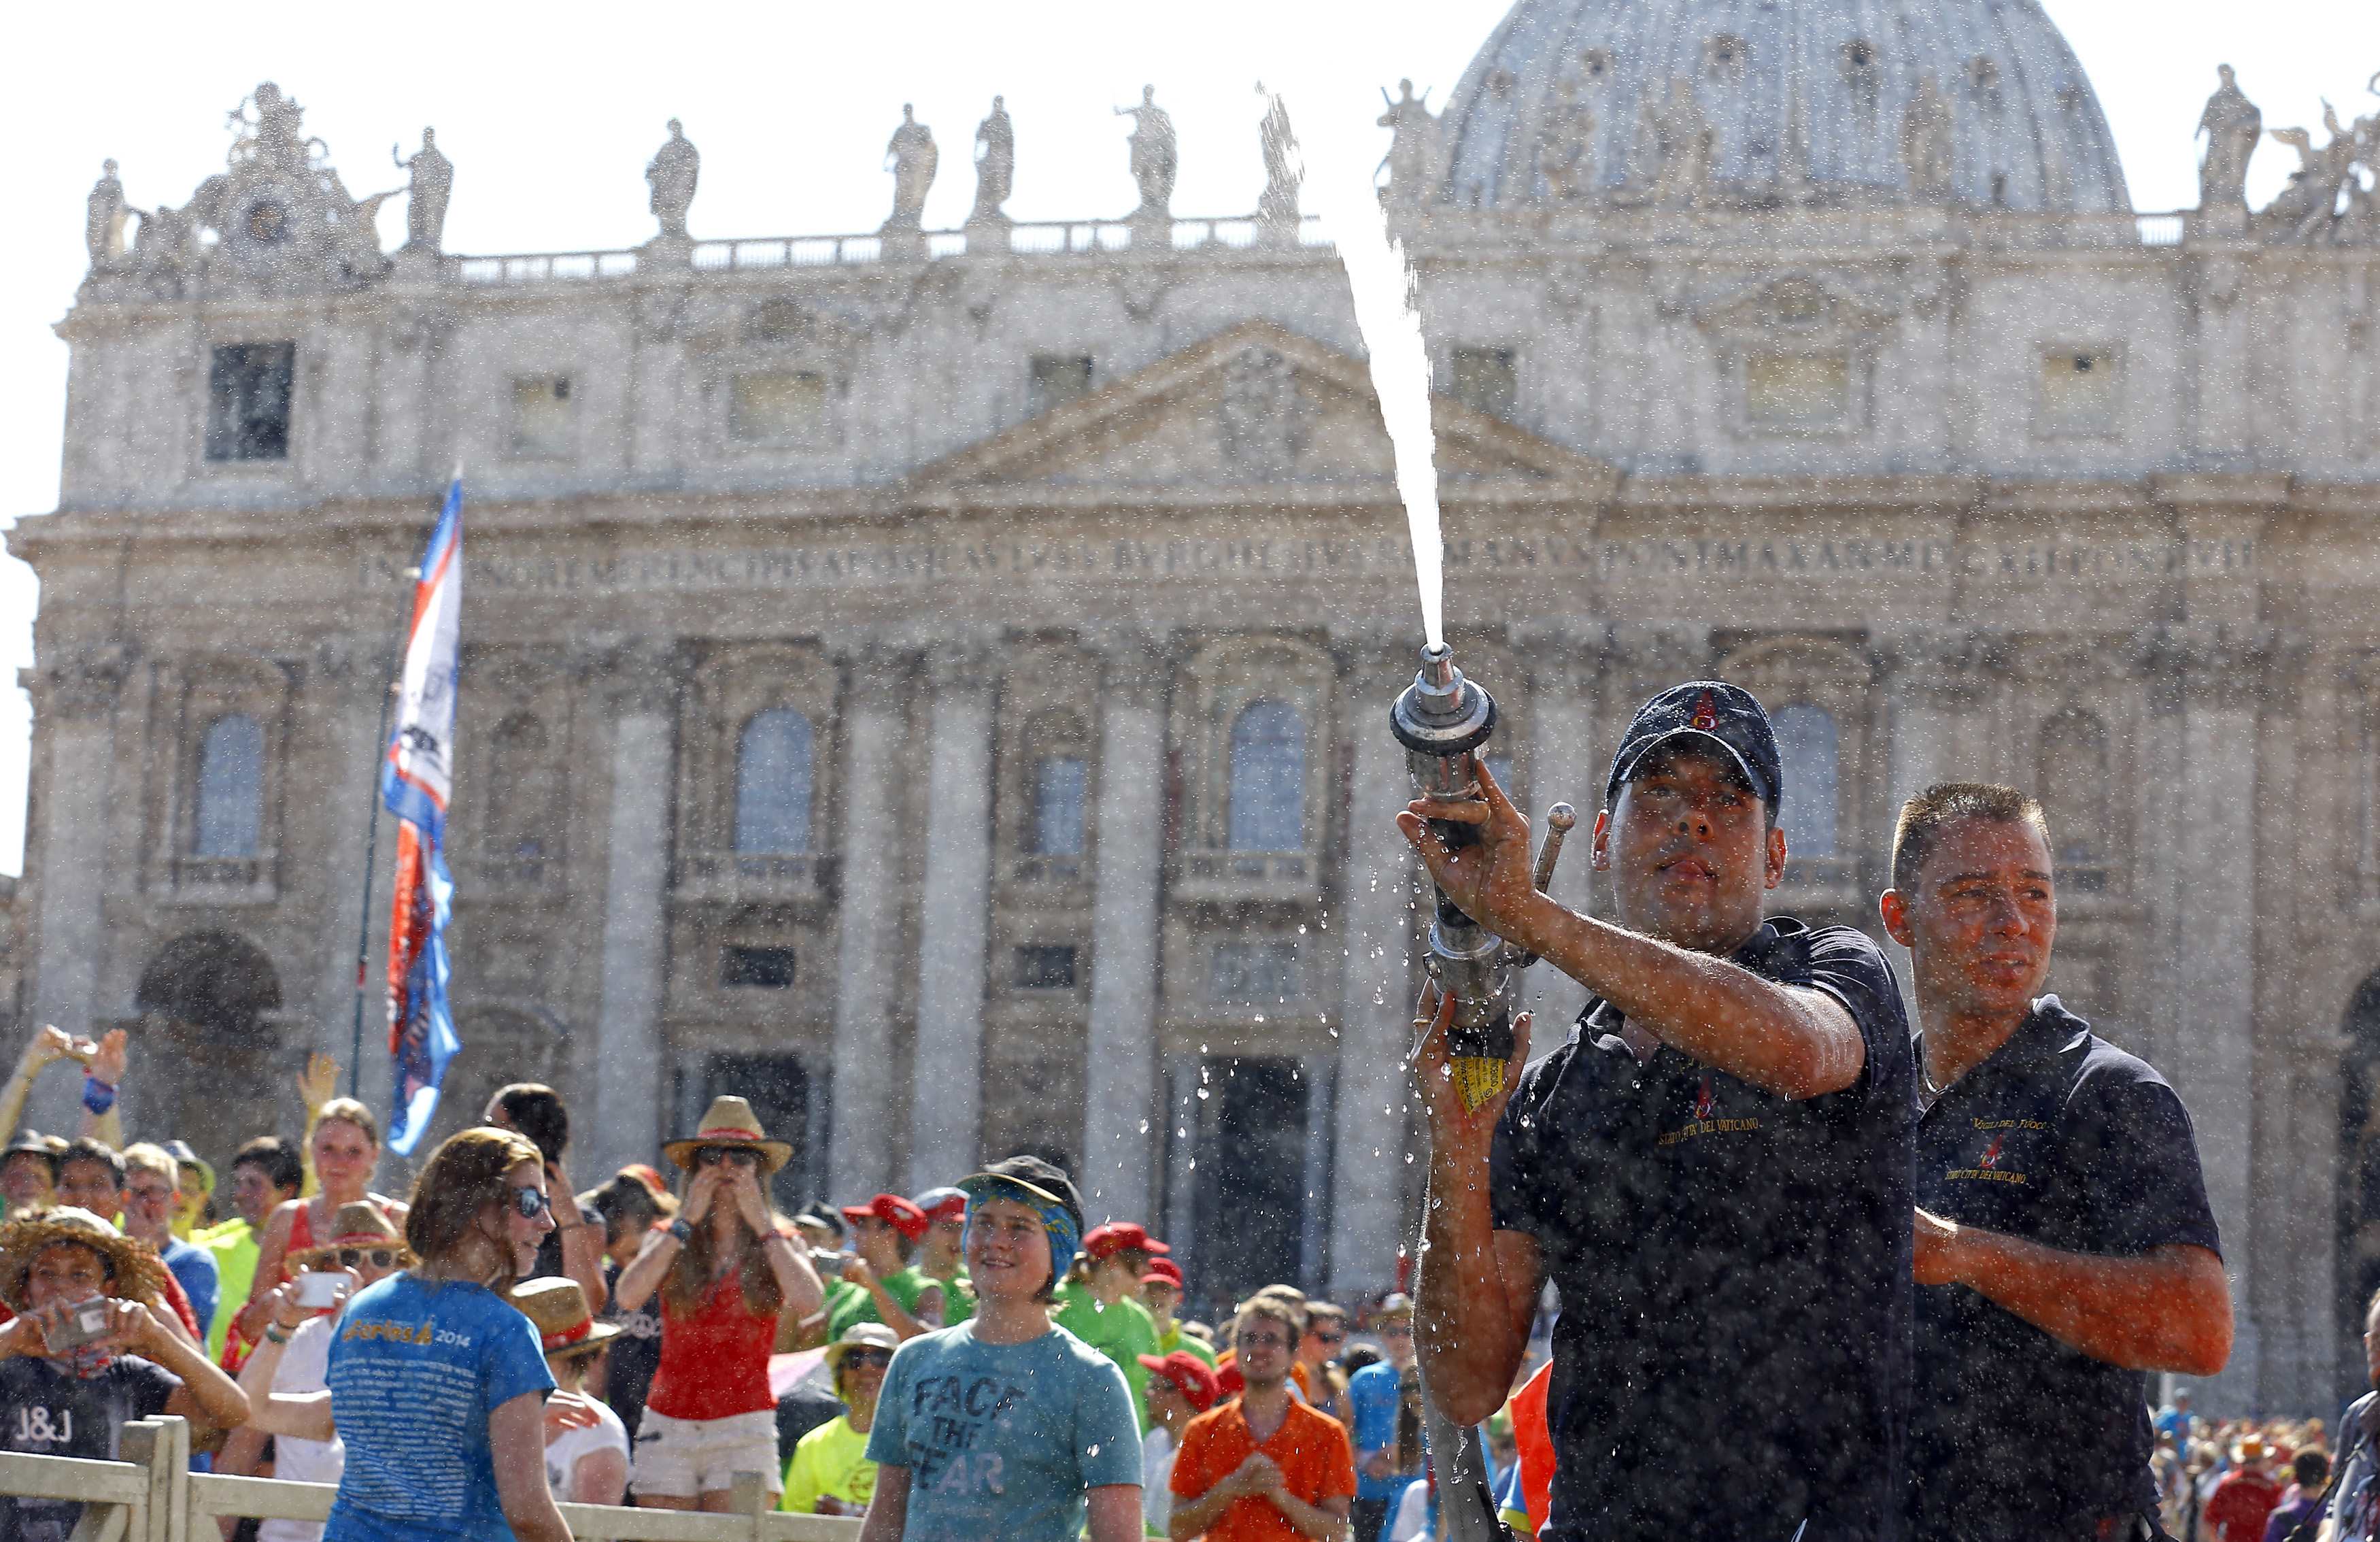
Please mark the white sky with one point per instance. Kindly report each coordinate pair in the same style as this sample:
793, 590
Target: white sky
551, 112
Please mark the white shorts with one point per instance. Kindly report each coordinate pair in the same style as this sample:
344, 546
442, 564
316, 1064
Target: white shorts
680, 1459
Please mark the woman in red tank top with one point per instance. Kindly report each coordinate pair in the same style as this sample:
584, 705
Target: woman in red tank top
725, 1275
345, 1144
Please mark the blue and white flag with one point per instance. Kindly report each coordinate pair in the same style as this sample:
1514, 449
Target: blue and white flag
414, 780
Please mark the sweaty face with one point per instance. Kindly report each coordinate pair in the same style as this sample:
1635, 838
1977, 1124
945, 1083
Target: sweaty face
1007, 1249
1690, 850
89, 1185
343, 1156
1983, 917
64, 1272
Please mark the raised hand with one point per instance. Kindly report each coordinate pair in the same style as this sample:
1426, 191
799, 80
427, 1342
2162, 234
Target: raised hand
699, 1194
1433, 1072
110, 1057
319, 1082
1492, 882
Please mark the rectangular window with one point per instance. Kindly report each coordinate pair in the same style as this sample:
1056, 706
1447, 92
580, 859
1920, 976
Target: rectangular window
248, 401
541, 418
1057, 379
755, 968
1045, 967
779, 409
2081, 392
1487, 380
1256, 974
1797, 392
1058, 783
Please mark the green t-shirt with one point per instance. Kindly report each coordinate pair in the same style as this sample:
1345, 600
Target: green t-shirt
234, 1247
1123, 1333
958, 1298
1173, 1339
850, 1304
831, 1463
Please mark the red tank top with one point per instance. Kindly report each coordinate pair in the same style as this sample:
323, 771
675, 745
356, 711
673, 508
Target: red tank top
714, 1359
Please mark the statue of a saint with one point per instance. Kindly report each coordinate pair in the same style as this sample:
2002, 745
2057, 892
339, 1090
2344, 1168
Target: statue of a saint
674, 168
431, 179
911, 158
1928, 148
1566, 145
1413, 133
995, 162
1276, 209
2232, 126
103, 223
272, 137
1678, 139
1154, 159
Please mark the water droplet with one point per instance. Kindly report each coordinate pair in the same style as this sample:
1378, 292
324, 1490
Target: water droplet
1202, 1095
1093, 1450
1182, 1131
1409, 1159
1260, 1018
1301, 929
1144, 1130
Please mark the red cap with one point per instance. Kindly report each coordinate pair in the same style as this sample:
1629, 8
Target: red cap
1164, 1270
1120, 1236
1229, 1382
1192, 1376
894, 1210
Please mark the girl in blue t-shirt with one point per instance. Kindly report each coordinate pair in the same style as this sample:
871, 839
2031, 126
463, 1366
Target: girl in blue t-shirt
437, 1384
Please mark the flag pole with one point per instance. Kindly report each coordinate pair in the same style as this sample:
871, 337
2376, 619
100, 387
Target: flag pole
372, 821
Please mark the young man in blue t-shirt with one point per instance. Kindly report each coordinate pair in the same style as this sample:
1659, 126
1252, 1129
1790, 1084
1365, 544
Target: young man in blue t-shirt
1007, 1426
1375, 1394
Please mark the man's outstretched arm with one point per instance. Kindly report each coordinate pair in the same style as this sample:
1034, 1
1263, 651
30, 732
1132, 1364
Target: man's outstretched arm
2168, 1309
1478, 1286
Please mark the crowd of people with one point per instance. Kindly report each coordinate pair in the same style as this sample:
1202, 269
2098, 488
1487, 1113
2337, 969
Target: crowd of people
1819, 1275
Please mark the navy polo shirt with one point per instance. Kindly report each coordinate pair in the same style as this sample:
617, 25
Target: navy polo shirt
2065, 1140
1732, 1356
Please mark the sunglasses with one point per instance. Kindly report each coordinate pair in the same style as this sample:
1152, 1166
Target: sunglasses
1331, 1338
1264, 1341
733, 1156
869, 1357
531, 1203
355, 1258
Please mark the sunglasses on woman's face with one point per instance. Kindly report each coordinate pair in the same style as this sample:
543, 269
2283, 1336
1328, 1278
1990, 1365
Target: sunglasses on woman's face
529, 1203
734, 1156
879, 1358
356, 1258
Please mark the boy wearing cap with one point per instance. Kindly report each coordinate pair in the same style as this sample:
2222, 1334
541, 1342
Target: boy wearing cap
830, 1472
879, 1283
942, 1258
1160, 1291
2065, 1244
1099, 1302
1180, 1387
1005, 1426
1715, 1170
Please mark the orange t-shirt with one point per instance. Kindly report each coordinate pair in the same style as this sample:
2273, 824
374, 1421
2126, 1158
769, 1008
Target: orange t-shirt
1310, 1448
1536, 1440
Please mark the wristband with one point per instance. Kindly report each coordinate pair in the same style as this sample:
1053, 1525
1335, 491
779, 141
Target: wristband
680, 1230
273, 1333
97, 1096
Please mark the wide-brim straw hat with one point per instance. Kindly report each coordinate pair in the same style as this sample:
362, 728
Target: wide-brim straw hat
139, 1273
361, 1224
556, 1307
730, 1122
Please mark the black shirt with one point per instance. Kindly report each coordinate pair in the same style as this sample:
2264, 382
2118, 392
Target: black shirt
635, 1356
2065, 1140
1732, 1352
49, 1412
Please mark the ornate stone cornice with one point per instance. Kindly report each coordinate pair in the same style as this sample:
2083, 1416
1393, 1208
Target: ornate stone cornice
84, 684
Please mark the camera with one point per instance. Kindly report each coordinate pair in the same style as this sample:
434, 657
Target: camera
319, 1288
83, 1323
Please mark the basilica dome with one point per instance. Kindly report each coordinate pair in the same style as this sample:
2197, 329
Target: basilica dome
1973, 101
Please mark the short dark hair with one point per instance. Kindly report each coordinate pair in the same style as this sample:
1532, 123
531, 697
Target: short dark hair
1926, 816
279, 1160
82, 1148
624, 1201
539, 1113
2312, 1469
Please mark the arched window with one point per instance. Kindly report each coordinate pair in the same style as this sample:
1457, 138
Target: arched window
772, 784
2071, 775
1267, 778
1809, 748
1058, 785
521, 793
231, 787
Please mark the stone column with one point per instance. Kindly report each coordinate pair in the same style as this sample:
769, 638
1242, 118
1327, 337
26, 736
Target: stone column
1119, 1149
1564, 769
1375, 919
2221, 358
75, 715
1181, 1132
641, 688
860, 1152
953, 929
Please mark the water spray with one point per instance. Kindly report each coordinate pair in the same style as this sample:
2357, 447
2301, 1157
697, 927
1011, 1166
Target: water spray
1442, 719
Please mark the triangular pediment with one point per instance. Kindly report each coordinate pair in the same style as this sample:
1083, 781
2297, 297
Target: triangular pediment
1259, 409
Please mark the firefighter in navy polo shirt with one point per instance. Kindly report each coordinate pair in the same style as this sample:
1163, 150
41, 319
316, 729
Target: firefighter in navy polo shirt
1714, 1171
2064, 1242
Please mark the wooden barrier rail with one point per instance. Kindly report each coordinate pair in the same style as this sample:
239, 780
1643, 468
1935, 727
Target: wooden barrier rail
150, 1495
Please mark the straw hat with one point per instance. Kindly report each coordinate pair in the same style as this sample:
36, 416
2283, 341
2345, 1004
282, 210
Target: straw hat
139, 1273
859, 1336
730, 1123
556, 1307
361, 1224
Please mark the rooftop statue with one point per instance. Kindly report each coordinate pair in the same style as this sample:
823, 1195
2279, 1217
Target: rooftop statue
431, 179
1277, 210
912, 159
1155, 157
1566, 145
1674, 148
1411, 142
995, 164
2232, 126
267, 133
1928, 152
2310, 209
103, 225
672, 176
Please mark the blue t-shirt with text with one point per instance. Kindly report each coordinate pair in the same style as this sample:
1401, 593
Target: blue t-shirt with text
1003, 1440
415, 1371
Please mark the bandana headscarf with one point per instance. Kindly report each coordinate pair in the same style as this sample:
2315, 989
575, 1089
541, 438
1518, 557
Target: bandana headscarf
1065, 1237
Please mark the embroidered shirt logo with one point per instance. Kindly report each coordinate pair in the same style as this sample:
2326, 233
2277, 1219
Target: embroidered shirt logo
1993, 1165
1703, 1100
1991, 1157
1706, 1119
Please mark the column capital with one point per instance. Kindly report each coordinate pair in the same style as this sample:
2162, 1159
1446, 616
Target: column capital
1667, 652
1562, 658
2211, 665
1375, 657
1956, 666
1136, 667
636, 676
964, 664
84, 684
874, 662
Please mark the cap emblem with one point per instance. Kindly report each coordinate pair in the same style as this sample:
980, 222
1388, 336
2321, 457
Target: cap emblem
1991, 1157
1706, 718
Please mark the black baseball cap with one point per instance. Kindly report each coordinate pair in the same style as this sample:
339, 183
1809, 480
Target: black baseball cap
1708, 712
1036, 1177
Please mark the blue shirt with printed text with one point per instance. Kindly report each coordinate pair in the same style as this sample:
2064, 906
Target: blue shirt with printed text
1374, 1395
415, 1371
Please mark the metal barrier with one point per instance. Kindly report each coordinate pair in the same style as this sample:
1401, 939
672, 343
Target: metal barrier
150, 1495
